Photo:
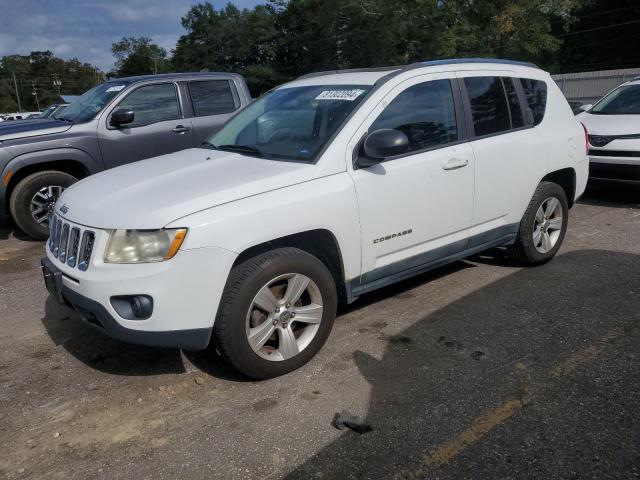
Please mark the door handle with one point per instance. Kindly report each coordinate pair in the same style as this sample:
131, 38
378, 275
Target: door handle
180, 129
455, 163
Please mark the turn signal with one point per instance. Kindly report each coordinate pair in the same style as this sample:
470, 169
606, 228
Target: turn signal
175, 245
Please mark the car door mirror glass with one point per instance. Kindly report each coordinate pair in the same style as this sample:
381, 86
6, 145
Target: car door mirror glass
122, 117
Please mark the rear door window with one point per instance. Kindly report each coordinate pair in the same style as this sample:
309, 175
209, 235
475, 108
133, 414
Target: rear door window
535, 92
211, 97
489, 108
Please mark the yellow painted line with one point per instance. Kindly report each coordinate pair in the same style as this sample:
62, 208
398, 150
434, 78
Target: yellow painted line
478, 429
483, 424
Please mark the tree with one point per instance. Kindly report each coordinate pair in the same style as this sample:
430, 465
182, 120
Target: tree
43, 73
138, 56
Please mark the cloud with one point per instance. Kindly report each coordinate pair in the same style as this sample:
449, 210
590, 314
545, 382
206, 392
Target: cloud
86, 29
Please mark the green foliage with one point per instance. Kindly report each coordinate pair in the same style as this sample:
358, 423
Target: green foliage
37, 72
286, 38
138, 56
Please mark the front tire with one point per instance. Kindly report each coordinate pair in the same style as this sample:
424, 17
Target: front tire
33, 199
276, 312
543, 226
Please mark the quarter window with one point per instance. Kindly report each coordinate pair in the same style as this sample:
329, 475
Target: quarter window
425, 113
211, 97
535, 91
489, 107
152, 103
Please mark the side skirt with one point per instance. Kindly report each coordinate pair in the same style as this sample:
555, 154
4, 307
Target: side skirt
476, 245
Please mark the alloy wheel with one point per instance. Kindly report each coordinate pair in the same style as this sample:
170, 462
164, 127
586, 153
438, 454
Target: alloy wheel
547, 225
284, 317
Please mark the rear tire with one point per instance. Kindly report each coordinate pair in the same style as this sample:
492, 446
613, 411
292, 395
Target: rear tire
38, 188
291, 335
543, 226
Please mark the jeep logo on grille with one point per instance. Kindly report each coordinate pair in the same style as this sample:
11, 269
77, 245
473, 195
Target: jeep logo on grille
64, 209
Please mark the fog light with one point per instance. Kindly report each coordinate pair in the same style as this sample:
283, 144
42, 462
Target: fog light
133, 307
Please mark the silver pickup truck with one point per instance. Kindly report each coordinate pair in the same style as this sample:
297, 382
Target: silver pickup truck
117, 122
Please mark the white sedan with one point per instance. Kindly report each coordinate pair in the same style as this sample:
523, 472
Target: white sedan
614, 133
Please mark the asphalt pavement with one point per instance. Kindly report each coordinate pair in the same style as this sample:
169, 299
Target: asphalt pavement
476, 370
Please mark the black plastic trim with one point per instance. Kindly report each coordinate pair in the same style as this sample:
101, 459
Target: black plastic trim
614, 171
430, 260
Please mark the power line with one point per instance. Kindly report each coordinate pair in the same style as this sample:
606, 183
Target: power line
597, 28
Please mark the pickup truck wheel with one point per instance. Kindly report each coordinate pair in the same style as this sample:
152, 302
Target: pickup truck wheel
33, 199
543, 225
276, 312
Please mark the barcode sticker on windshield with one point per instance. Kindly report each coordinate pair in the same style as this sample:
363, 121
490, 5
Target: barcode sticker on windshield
116, 88
348, 95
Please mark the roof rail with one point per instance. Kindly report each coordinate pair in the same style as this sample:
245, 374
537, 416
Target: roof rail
350, 70
448, 61
426, 63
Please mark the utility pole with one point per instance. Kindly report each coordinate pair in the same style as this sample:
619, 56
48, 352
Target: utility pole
15, 84
35, 93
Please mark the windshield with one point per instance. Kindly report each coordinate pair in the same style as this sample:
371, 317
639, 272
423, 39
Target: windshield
290, 123
91, 102
624, 100
48, 111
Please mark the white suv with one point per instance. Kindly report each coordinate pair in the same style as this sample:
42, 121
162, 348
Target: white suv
326, 188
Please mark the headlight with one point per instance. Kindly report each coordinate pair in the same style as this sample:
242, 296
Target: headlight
141, 246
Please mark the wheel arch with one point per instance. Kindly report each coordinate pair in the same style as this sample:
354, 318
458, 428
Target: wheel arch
24, 167
566, 178
320, 243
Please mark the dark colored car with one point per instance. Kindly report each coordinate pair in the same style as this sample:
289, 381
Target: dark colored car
117, 122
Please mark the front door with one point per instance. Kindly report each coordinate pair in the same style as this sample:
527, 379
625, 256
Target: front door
158, 127
416, 208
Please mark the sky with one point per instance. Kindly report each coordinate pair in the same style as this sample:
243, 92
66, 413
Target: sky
86, 28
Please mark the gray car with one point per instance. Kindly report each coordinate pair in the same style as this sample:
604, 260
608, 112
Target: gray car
117, 122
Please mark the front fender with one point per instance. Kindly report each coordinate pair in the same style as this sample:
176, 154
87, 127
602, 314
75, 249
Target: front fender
87, 162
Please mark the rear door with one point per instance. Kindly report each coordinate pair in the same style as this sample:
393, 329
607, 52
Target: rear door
213, 103
510, 157
158, 127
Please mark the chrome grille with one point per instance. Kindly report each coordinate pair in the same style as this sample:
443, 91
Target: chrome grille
85, 250
74, 244
64, 239
70, 244
56, 238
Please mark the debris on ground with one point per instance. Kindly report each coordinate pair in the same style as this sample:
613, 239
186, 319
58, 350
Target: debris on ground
345, 419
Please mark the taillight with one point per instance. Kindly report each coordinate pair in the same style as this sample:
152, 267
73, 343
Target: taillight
586, 138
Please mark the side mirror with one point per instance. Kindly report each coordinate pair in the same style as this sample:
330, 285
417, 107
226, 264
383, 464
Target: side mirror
382, 144
584, 108
121, 117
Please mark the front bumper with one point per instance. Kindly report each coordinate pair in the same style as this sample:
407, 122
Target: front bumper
186, 292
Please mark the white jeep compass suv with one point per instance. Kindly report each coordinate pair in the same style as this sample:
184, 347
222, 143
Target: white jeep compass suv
325, 188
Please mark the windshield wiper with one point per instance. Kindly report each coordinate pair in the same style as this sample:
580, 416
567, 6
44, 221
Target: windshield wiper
241, 149
64, 119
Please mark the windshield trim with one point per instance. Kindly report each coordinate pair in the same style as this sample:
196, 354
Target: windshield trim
312, 160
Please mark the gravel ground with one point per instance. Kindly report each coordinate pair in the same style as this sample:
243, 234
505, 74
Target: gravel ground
476, 370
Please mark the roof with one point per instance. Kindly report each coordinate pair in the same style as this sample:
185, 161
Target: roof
173, 76
373, 76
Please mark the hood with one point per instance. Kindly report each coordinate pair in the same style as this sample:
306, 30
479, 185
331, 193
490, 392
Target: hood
610, 124
152, 193
31, 128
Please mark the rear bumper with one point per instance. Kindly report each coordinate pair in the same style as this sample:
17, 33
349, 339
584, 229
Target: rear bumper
614, 171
